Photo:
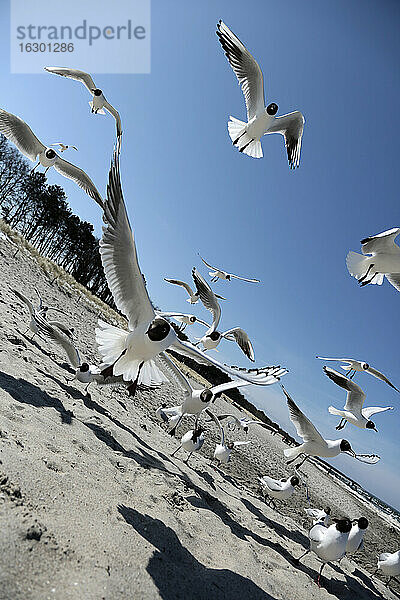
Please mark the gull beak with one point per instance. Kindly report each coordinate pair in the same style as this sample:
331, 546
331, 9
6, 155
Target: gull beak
375, 429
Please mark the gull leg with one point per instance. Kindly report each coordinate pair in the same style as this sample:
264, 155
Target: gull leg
176, 450
302, 462
319, 575
366, 274
354, 372
46, 170
297, 560
187, 460
289, 462
365, 281
341, 425
34, 168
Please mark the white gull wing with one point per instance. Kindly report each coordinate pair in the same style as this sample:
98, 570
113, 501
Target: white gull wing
210, 266
305, 429
241, 443
383, 242
291, 126
61, 339
27, 302
119, 257
272, 484
20, 134
242, 339
317, 533
314, 513
394, 279
256, 376
181, 283
232, 276
246, 69
343, 360
216, 421
373, 410
75, 74
79, 177
355, 395
174, 372
116, 116
380, 375
208, 298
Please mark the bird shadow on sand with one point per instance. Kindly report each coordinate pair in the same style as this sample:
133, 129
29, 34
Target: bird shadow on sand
27, 393
178, 574
65, 366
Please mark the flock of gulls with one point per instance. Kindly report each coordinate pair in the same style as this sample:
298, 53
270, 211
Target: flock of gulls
139, 356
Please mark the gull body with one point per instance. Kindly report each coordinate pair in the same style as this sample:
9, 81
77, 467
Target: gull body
279, 489
353, 411
261, 120
20, 134
353, 366
380, 258
191, 441
389, 564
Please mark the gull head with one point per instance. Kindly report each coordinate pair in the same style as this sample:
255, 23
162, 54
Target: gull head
327, 510
343, 525
230, 445
272, 109
97, 92
362, 523
228, 277
365, 366
370, 425
345, 447
206, 395
50, 154
214, 336
158, 330
294, 480
84, 368
193, 319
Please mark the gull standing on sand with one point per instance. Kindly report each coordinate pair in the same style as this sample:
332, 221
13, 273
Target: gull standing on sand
322, 516
328, 543
382, 260
355, 542
217, 273
278, 489
212, 337
389, 564
353, 366
261, 120
20, 134
193, 296
353, 411
313, 442
195, 401
99, 102
223, 451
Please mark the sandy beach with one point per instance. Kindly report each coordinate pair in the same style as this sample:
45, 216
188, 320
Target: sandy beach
92, 505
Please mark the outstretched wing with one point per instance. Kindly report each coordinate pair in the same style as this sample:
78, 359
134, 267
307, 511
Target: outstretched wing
79, 176
244, 278
355, 395
119, 257
27, 302
373, 410
218, 424
61, 339
174, 372
181, 283
242, 339
305, 429
383, 242
208, 298
75, 74
246, 69
20, 134
291, 126
208, 265
116, 116
381, 376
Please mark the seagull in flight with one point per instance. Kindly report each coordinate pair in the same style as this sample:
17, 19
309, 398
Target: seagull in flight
182, 318
353, 411
193, 296
20, 134
99, 101
353, 366
217, 273
261, 120
212, 337
244, 423
278, 489
223, 451
380, 258
63, 147
40, 312
313, 442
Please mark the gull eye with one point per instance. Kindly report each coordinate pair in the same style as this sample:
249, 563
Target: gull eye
272, 109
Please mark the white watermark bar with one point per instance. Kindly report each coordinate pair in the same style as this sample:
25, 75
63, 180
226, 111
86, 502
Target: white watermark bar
112, 37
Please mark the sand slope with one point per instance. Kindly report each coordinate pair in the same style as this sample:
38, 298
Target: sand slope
92, 506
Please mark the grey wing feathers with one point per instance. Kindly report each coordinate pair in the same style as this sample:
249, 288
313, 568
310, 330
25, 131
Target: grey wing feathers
291, 126
181, 283
243, 341
116, 116
207, 297
25, 301
394, 279
381, 376
355, 395
79, 177
20, 134
270, 483
119, 257
75, 74
305, 429
61, 339
218, 424
174, 372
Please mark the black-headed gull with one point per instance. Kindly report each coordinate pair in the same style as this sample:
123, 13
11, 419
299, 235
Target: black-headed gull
99, 102
389, 564
182, 318
60, 337
223, 451
278, 489
20, 134
328, 543
191, 441
322, 515
380, 258
218, 273
261, 120
193, 296
63, 147
212, 337
353, 411
356, 535
353, 366
244, 423
41, 311
313, 442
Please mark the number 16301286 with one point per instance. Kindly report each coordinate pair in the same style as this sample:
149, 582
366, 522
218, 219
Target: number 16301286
46, 47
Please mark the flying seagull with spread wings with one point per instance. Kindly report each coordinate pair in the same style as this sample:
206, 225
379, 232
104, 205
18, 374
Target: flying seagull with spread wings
218, 273
353, 366
20, 134
261, 120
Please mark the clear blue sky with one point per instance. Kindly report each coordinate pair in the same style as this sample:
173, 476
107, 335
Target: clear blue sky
188, 191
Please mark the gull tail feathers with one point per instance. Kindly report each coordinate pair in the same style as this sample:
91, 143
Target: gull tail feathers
356, 264
151, 375
335, 411
240, 139
111, 341
100, 111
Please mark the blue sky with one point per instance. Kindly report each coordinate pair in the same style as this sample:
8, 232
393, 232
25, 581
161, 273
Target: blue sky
188, 191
